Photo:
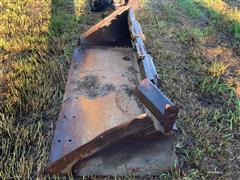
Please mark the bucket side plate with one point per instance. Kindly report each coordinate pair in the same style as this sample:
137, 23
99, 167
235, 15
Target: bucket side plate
111, 31
136, 156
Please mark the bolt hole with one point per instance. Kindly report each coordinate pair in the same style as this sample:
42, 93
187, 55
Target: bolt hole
59, 140
69, 140
74, 117
64, 116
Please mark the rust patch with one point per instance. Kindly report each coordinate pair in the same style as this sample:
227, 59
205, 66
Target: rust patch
161, 107
126, 58
91, 88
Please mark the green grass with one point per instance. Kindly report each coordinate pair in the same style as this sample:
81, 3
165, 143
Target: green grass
220, 13
191, 36
190, 8
36, 42
199, 84
228, 15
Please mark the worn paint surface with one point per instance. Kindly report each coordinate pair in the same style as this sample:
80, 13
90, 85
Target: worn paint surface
160, 106
138, 156
98, 97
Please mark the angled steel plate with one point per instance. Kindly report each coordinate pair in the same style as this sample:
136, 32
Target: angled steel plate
137, 156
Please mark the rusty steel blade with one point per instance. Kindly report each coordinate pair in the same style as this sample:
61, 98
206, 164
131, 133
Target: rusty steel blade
135, 126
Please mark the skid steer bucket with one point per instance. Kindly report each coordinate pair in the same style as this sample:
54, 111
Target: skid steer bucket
114, 118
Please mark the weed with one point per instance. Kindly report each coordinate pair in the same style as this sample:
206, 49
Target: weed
190, 8
218, 69
191, 36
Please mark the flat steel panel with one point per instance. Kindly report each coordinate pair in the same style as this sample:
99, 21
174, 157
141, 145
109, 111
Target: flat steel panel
98, 96
135, 156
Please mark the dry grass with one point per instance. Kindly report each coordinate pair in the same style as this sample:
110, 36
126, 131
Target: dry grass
36, 42
197, 60
182, 35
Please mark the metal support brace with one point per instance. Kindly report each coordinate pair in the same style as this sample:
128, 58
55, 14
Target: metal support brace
148, 90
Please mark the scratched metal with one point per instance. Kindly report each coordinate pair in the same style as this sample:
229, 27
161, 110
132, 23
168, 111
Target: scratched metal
111, 31
135, 156
159, 104
98, 97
